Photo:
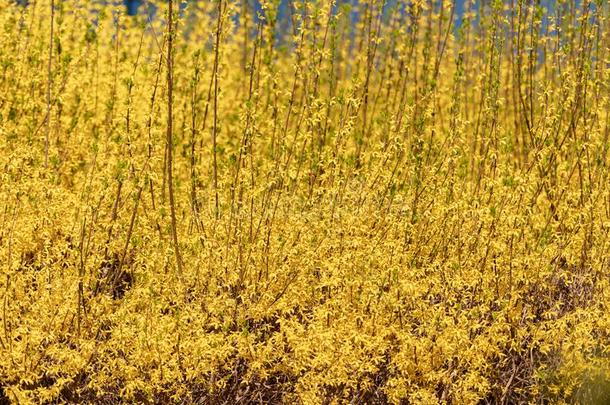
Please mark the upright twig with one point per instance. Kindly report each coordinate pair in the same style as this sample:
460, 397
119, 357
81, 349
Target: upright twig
170, 87
215, 124
49, 83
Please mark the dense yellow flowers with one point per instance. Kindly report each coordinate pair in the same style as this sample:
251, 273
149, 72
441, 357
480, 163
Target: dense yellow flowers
371, 204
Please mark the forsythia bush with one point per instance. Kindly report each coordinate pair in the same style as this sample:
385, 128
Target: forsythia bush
307, 202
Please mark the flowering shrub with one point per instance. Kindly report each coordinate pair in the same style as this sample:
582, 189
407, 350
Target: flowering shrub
368, 205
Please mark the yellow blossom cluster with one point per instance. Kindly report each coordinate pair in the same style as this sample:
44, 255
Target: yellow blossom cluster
305, 201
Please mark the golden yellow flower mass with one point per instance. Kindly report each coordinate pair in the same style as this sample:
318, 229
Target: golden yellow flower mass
305, 201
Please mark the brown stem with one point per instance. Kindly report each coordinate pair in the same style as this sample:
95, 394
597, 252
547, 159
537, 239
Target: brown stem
215, 124
170, 145
49, 83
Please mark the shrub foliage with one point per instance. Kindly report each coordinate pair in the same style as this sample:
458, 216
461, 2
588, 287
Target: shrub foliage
309, 202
